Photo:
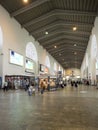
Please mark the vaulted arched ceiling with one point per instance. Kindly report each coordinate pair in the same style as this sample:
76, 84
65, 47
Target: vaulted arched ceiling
57, 18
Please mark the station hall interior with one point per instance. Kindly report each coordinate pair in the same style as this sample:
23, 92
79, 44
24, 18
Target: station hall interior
53, 45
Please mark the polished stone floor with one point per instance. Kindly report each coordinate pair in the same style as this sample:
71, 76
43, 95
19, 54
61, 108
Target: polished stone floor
65, 109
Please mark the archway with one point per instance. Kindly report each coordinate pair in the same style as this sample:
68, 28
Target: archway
1, 39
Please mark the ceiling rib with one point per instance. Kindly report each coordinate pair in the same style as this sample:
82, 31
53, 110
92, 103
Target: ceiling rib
83, 40
66, 46
57, 12
64, 42
70, 59
54, 54
30, 6
57, 17
65, 50
62, 23
78, 33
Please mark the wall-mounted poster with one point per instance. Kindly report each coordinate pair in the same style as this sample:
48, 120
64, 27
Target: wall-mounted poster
16, 58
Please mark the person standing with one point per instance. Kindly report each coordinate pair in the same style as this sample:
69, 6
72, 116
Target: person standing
5, 86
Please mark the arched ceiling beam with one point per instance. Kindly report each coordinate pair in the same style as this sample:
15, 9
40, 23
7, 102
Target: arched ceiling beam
66, 57
78, 33
66, 46
72, 51
67, 61
57, 12
66, 51
64, 41
28, 7
56, 56
83, 40
61, 23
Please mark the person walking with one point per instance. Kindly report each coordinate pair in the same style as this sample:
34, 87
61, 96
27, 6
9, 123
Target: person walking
30, 90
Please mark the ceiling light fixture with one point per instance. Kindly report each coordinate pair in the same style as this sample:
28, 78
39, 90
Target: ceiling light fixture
55, 46
25, 1
74, 28
46, 33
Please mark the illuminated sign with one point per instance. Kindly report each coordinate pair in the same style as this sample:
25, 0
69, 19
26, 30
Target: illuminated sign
29, 64
16, 58
44, 69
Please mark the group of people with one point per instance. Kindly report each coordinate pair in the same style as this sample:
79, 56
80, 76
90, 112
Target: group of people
74, 83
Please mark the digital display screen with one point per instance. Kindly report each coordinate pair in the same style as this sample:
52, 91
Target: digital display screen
16, 58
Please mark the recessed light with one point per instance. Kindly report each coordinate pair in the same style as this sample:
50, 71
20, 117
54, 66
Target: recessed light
74, 28
55, 46
46, 33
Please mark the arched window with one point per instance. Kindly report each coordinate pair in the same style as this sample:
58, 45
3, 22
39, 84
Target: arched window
31, 51
86, 59
47, 62
62, 71
94, 47
59, 68
55, 67
1, 38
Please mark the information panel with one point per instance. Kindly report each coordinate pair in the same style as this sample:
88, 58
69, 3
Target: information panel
29, 64
16, 58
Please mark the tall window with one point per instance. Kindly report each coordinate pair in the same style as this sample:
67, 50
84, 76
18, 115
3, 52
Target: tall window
59, 68
31, 51
86, 59
47, 62
94, 47
1, 38
55, 67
